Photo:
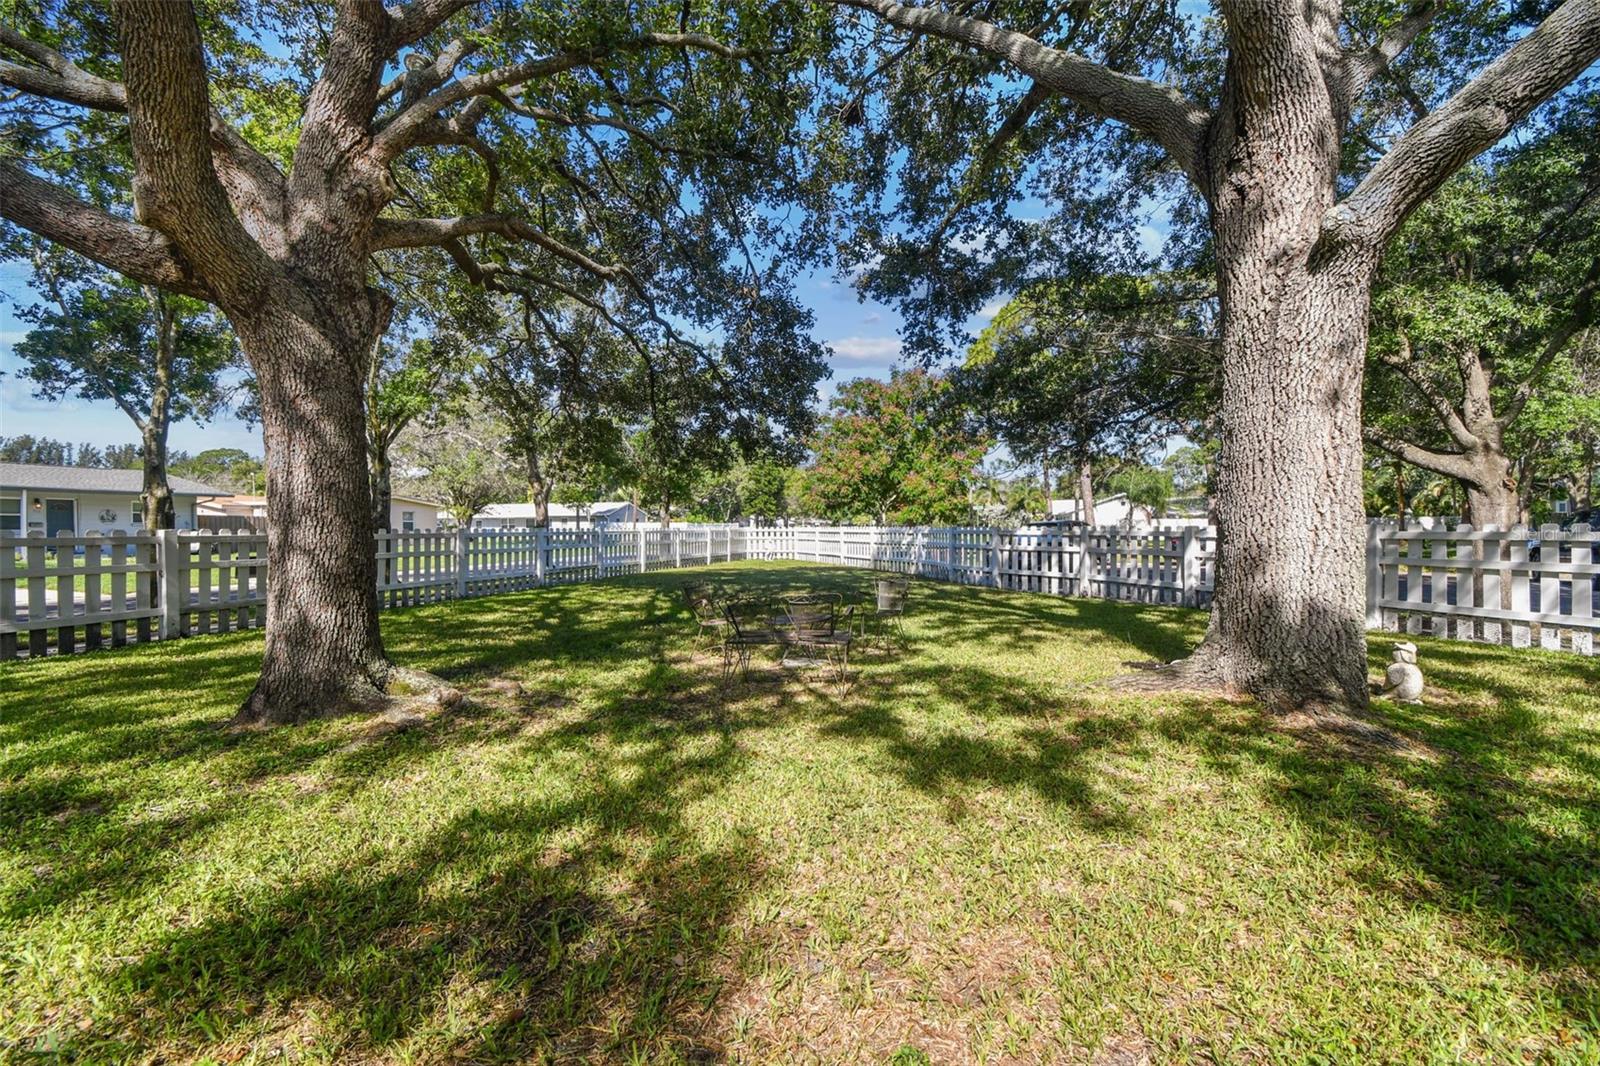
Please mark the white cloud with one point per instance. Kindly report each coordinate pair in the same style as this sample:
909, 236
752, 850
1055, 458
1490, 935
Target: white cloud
871, 320
1151, 241
866, 349
992, 308
855, 271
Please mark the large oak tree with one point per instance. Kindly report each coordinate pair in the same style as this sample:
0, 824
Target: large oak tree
580, 148
1304, 141
1490, 286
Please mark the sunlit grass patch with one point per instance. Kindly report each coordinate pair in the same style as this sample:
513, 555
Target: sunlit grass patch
973, 853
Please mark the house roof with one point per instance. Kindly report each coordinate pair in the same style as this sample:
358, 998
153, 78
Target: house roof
395, 497
90, 479
557, 510
1074, 503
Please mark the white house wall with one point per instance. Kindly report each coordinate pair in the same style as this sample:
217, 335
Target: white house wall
106, 512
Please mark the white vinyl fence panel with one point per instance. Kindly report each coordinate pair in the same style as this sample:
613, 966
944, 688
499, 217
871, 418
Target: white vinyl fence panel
69, 593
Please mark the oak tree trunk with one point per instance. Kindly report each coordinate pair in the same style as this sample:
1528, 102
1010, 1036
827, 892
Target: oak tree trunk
1086, 490
379, 472
155, 495
324, 654
1492, 491
1289, 616
540, 490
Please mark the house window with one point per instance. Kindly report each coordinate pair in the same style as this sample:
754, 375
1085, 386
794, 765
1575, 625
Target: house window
136, 513
11, 514
408, 521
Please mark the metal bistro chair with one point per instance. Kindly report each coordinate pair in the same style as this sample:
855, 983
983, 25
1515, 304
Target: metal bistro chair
749, 627
817, 627
713, 624
890, 611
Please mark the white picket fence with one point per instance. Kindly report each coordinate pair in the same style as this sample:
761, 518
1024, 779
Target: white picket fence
1489, 585
68, 593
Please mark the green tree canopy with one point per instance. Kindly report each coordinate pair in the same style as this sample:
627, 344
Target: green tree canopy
1486, 298
895, 451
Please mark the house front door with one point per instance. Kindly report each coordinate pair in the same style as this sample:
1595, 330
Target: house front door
60, 516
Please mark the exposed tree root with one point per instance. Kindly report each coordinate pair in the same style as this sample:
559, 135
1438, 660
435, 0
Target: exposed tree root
406, 694
1201, 675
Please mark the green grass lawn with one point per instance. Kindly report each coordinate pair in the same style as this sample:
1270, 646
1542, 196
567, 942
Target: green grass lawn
975, 853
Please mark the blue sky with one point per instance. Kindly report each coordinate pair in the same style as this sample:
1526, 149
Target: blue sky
861, 334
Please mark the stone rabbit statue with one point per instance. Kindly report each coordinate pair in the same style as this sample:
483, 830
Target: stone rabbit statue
1403, 680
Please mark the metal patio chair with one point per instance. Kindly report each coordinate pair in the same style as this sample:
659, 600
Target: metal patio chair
889, 612
702, 600
817, 627
749, 626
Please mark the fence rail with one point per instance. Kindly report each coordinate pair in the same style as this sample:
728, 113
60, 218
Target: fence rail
63, 594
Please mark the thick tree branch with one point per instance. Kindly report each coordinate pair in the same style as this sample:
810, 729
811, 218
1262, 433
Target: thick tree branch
57, 77
405, 127
1403, 364
175, 186
1360, 67
142, 253
414, 21
254, 184
430, 232
1471, 121
1449, 464
1160, 111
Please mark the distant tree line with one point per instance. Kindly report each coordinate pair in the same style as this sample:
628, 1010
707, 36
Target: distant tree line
230, 469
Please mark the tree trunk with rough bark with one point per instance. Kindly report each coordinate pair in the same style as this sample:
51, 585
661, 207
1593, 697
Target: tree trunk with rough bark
1288, 622
1086, 490
540, 489
381, 476
1491, 490
155, 496
324, 654
155, 493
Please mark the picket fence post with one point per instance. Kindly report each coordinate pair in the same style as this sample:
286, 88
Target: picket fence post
171, 574
1374, 573
1189, 545
677, 549
463, 551
541, 554
640, 533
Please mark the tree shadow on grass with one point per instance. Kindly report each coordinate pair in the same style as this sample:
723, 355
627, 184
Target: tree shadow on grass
588, 919
585, 921
1481, 822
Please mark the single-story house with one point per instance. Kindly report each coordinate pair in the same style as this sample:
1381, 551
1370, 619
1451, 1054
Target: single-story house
562, 516
1115, 510
77, 499
1108, 511
237, 511
406, 513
